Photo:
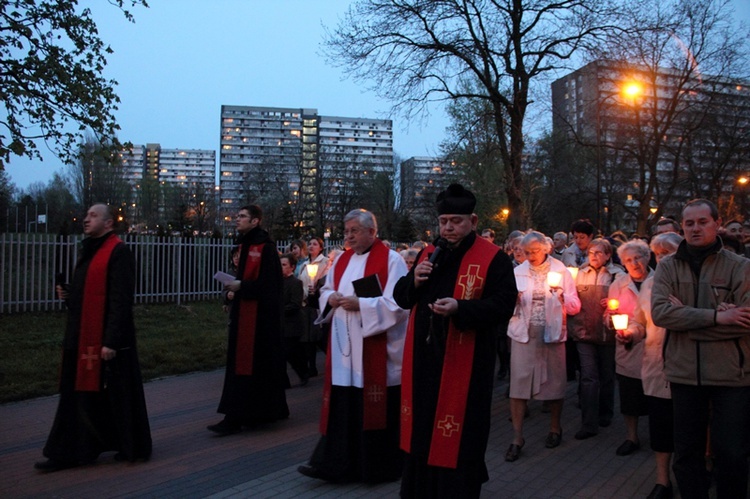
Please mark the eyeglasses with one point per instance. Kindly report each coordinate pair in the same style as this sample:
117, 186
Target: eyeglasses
596, 253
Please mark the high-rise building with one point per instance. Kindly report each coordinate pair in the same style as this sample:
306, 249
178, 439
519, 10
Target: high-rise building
422, 178
187, 175
298, 157
690, 132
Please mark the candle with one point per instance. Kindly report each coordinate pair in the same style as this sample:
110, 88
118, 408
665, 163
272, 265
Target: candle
554, 279
573, 272
620, 321
613, 304
312, 271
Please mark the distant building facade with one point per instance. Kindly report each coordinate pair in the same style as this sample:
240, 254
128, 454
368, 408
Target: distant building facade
422, 178
703, 126
296, 156
167, 180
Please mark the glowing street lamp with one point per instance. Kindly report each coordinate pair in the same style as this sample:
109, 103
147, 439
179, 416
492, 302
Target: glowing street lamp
632, 89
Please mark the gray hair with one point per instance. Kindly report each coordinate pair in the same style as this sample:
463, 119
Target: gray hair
636, 247
409, 253
535, 237
603, 244
364, 217
666, 240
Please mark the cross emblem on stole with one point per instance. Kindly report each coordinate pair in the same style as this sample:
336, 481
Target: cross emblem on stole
449, 425
375, 393
90, 358
470, 282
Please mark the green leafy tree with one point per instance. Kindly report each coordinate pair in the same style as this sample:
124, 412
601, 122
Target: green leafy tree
51, 83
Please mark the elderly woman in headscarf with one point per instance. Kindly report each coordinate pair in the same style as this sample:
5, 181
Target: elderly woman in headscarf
655, 384
538, 332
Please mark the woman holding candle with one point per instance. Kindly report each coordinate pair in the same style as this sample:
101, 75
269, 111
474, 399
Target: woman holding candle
625, 289
310, 274
655, 384
546, 294
595, 341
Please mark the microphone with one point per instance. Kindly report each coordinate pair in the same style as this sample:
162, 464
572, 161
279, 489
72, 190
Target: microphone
439, 246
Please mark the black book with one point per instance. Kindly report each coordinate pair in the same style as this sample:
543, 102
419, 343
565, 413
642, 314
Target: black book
368, 287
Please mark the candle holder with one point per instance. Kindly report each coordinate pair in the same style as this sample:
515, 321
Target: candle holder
573, 272
312, 271
554, 279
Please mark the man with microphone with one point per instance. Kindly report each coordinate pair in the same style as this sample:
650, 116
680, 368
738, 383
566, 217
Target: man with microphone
458, 292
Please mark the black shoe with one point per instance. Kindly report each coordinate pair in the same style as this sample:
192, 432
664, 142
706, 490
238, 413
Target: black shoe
51, 465
224, 428
584, 434
514, 452
627, 448
553, 440
313, 472
661, 492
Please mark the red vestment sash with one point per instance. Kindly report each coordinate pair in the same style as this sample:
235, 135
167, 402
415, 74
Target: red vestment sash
374, 351
248, 316
457, 364
93, 307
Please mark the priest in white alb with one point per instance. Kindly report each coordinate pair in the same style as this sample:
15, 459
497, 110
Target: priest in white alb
360, 415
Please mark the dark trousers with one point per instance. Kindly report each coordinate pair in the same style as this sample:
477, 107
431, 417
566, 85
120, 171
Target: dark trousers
597, 384
727, 412
349, 453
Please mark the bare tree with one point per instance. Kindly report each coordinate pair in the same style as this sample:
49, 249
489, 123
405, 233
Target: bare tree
683, 55
98, 175
415, 52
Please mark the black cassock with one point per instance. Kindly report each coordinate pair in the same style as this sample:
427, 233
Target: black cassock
258, 398
430, 331
114, 418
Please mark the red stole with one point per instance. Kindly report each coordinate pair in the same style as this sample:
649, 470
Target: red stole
93, 307
248, 316
457, 364
374, 352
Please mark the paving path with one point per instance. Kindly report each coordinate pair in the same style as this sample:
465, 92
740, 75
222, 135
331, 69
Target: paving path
188, 461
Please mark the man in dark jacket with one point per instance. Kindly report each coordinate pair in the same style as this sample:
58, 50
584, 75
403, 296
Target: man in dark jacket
101, 406
457, 294
256, 371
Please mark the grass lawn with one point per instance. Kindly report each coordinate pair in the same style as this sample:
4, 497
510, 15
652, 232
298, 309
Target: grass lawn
171, 340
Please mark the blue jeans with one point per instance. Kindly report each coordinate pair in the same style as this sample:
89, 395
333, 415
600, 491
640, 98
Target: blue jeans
597, 384
727, 411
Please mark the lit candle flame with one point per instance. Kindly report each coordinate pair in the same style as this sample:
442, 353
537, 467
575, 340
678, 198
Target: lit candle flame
613, 304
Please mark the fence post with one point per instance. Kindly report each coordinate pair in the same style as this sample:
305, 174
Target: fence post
178, 269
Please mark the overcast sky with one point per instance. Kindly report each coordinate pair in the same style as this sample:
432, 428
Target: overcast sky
182, 59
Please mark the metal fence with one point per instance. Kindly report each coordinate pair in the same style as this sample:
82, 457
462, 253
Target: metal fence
167, 269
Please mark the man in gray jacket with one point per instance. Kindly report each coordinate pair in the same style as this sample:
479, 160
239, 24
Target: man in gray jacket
701, 295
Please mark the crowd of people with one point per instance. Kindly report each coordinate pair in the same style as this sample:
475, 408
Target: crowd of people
415, 337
